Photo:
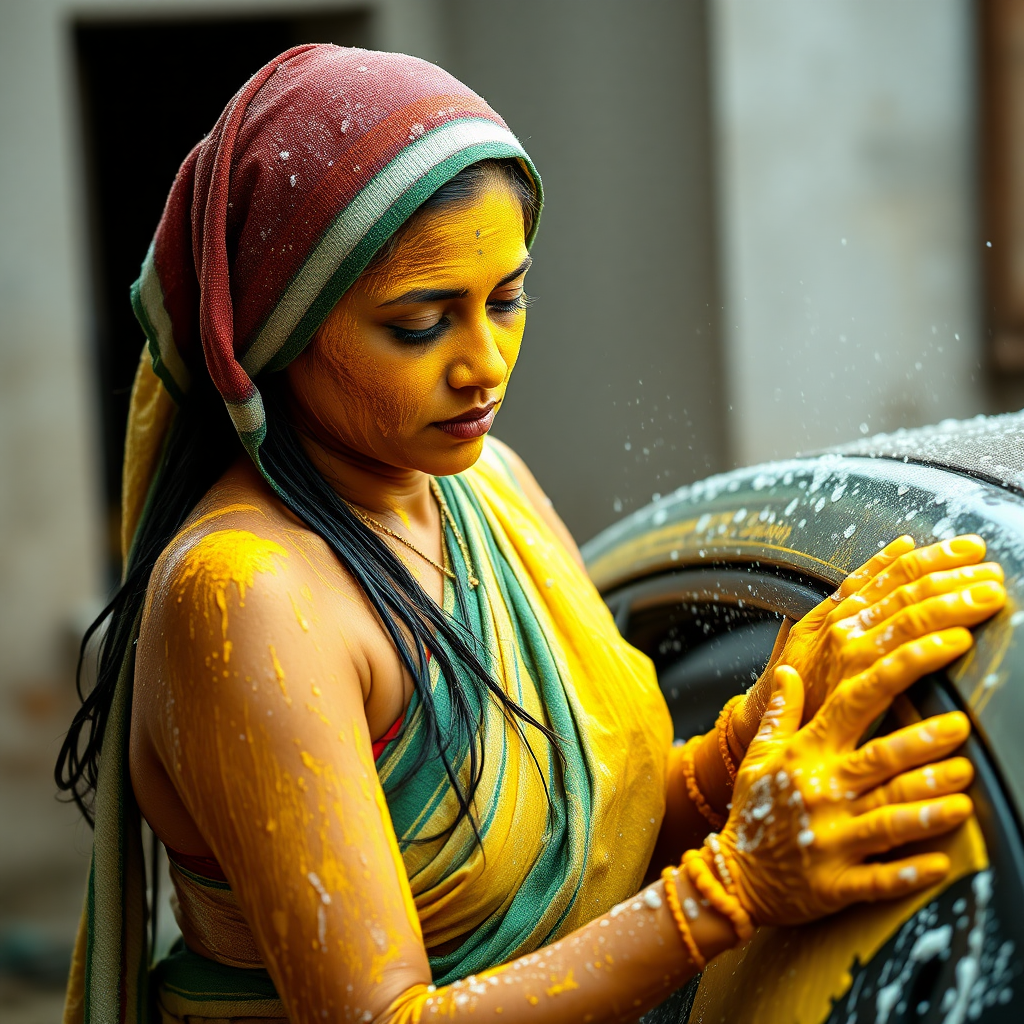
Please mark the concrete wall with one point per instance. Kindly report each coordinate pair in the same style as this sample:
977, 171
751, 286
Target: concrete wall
49, 509
846, 142
618, 392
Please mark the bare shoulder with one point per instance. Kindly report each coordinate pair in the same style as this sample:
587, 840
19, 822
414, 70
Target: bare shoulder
251, 627
243, 573
528, 482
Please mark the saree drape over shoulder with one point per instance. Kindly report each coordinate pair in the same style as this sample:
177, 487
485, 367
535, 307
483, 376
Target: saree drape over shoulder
564, 834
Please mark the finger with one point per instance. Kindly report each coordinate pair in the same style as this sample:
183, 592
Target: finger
844, 601
915, 594
874, 565
857, 702
783, 714
967, 607
948, 554
933, 780
908, 568
866, 883
918, 744
888, 827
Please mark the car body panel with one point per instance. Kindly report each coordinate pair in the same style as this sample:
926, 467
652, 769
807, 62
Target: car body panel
989, 448
820, 517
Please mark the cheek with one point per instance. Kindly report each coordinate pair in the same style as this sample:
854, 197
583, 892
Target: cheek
509, 344
360, 394
401, 389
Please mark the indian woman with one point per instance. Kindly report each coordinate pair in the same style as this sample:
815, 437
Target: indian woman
356, 679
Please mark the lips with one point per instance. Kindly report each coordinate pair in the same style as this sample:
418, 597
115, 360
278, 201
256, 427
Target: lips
468, 425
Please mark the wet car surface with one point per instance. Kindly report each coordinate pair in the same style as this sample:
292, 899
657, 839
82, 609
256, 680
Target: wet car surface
700, 580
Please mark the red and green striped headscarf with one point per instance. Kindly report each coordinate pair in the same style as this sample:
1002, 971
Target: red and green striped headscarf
320, 157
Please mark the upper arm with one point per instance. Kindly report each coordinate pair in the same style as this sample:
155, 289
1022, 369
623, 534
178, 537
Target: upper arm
265, 739
539, 499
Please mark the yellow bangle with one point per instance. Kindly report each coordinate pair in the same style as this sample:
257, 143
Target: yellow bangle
670, 877
722, 726
707, 883
714, 819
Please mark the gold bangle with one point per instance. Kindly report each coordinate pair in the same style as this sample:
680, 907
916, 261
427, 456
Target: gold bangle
707, 883
722, 726
712, 817
670, 877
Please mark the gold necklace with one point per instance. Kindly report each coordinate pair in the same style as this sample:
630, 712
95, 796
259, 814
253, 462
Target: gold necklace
435, 487
449, 519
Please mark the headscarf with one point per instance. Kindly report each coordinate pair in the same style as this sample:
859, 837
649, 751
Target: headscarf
317, 160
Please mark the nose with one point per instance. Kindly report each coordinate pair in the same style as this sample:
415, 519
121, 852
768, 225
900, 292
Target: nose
479, 361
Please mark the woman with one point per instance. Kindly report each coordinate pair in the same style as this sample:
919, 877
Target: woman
400, 759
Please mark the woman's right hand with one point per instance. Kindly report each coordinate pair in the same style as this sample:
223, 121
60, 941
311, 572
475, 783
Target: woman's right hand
900, 594
809, 805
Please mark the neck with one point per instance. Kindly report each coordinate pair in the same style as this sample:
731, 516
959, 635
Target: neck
374, 486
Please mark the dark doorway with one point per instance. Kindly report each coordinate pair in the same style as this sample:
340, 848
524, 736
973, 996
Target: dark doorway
149, 90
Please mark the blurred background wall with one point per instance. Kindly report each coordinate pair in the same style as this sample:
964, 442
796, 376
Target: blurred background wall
762, 237
847, 177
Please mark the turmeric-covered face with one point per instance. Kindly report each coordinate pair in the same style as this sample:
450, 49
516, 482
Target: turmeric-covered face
412, 364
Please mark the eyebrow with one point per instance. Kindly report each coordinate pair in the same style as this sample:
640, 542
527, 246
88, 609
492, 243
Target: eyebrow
521, 269
441, 294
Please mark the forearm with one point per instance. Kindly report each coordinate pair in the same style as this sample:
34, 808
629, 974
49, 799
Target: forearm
613, 969
684, 826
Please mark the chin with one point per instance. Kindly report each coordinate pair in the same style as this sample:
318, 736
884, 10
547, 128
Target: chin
451, 458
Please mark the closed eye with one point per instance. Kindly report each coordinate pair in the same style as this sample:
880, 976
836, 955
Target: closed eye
422, 336
520, 302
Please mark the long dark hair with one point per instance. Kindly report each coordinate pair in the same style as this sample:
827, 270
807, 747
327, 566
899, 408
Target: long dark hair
201, 444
